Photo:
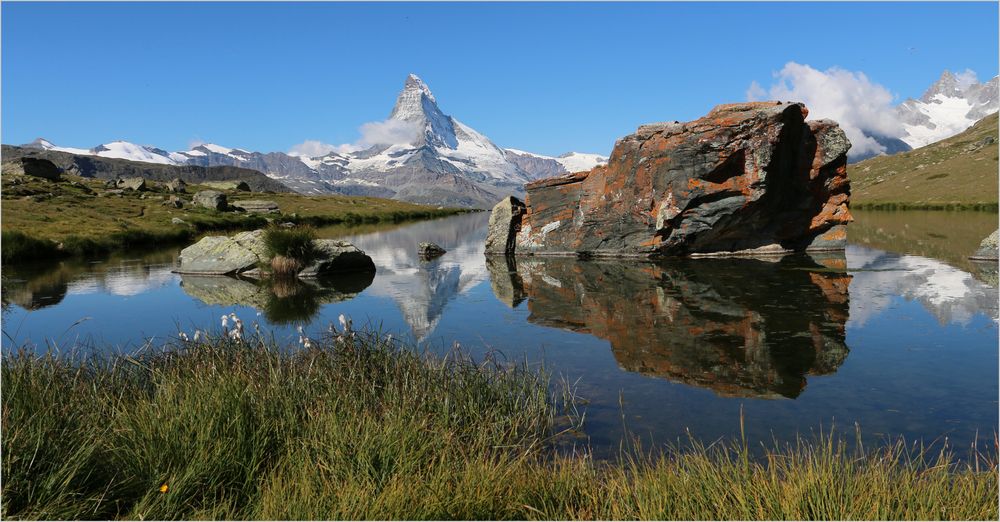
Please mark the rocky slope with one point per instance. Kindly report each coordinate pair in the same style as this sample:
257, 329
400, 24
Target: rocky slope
746, 178
961, 170
94, 166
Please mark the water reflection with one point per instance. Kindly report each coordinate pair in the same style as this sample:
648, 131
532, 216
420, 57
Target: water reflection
740, 327
951, 295
40, 285
420, 288
281, 300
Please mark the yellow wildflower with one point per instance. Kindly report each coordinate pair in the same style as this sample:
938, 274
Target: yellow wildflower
164, 488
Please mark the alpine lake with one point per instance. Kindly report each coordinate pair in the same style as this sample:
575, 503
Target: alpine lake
896, 337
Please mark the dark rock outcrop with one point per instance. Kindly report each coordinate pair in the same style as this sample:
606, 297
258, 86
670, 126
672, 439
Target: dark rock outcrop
41, 168
336, 256
739, 327
748, 178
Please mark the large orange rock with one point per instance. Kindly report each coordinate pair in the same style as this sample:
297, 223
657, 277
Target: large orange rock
746, 178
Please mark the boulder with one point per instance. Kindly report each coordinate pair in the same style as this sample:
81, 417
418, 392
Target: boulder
41, 168
256, 206
236, 185
211, 199
173, 201
337, 256
505, 223
988, 249
430, 250
221, 255
748, 178
244, 252
176, 185
134, 183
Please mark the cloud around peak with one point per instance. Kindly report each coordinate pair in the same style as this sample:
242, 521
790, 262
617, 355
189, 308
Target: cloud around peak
386, 132
864, 109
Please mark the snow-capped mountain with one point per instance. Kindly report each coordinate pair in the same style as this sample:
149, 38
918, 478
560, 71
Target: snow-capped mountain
564, 164
950, 105
435, 159
115, 149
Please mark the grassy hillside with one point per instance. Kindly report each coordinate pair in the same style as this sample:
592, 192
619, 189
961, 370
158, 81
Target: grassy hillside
42, 218
959, 172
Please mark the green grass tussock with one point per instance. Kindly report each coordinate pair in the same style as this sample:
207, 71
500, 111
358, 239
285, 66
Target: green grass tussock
361, 427
294, 243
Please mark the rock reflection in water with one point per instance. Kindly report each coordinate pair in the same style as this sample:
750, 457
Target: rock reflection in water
281, 300
740, 327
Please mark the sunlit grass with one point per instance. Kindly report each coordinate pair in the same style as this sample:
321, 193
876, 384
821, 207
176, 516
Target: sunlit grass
357, 426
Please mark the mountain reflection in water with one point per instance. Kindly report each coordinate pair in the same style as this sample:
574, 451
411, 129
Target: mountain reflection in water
740, 327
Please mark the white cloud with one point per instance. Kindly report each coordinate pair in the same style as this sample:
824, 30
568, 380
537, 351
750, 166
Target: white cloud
966, 79
862, 108
312, 149
388, 132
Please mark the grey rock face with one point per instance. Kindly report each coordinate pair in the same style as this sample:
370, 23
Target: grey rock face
505, 223
430, 250
257, 206
211, 199
135, 183
535, 167
221, 255
988, 249
337, 256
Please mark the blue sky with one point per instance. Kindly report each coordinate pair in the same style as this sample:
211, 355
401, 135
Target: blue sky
547, 78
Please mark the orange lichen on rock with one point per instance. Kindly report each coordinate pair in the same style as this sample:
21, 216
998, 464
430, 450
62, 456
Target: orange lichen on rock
747, 177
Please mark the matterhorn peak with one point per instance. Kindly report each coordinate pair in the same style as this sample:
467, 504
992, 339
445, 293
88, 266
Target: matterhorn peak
415, 101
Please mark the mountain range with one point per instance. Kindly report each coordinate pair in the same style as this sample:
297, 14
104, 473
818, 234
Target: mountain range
441, 161
951, 105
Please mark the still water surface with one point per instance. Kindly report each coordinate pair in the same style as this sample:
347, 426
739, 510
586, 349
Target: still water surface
887, 336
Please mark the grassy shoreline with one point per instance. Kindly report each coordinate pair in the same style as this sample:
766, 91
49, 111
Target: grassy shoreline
901, 205
361, 427
76, 216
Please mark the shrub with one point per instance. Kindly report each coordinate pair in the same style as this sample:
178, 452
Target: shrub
295, 243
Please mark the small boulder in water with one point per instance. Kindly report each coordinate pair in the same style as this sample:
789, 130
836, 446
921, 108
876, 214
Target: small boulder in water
430, 250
